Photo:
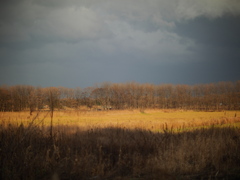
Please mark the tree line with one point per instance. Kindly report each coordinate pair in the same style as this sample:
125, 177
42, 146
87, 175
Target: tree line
132, 95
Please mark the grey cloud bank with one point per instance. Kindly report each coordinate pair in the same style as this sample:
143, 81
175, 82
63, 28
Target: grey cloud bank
80, 43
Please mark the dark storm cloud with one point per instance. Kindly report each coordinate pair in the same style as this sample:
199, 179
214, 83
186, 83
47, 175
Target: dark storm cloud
82, 42
217, 46
223, 32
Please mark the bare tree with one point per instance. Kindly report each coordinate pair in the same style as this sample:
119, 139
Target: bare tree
5, 99
53, 95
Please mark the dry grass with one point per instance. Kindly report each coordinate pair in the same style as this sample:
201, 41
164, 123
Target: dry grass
116, 153
154, 120
129, 145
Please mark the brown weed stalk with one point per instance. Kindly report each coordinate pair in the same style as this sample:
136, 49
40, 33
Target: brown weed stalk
118, 153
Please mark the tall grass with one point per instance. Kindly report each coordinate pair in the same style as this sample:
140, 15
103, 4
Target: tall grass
151, 119
28, 152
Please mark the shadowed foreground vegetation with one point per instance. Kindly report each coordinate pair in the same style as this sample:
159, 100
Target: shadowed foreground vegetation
117, 153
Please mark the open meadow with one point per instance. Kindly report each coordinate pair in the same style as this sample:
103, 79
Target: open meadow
123, 144
154, 120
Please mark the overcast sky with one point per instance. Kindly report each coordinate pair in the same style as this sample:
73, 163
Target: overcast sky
78, 43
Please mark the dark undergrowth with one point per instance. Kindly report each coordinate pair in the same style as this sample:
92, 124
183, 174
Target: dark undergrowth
115, 153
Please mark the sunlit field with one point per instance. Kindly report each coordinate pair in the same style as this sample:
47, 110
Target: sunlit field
126, 144
154, 120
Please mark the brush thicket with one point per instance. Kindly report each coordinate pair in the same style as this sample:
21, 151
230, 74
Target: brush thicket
117, 153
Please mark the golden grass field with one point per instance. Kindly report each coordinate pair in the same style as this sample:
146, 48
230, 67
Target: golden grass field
124, 144
154, 120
